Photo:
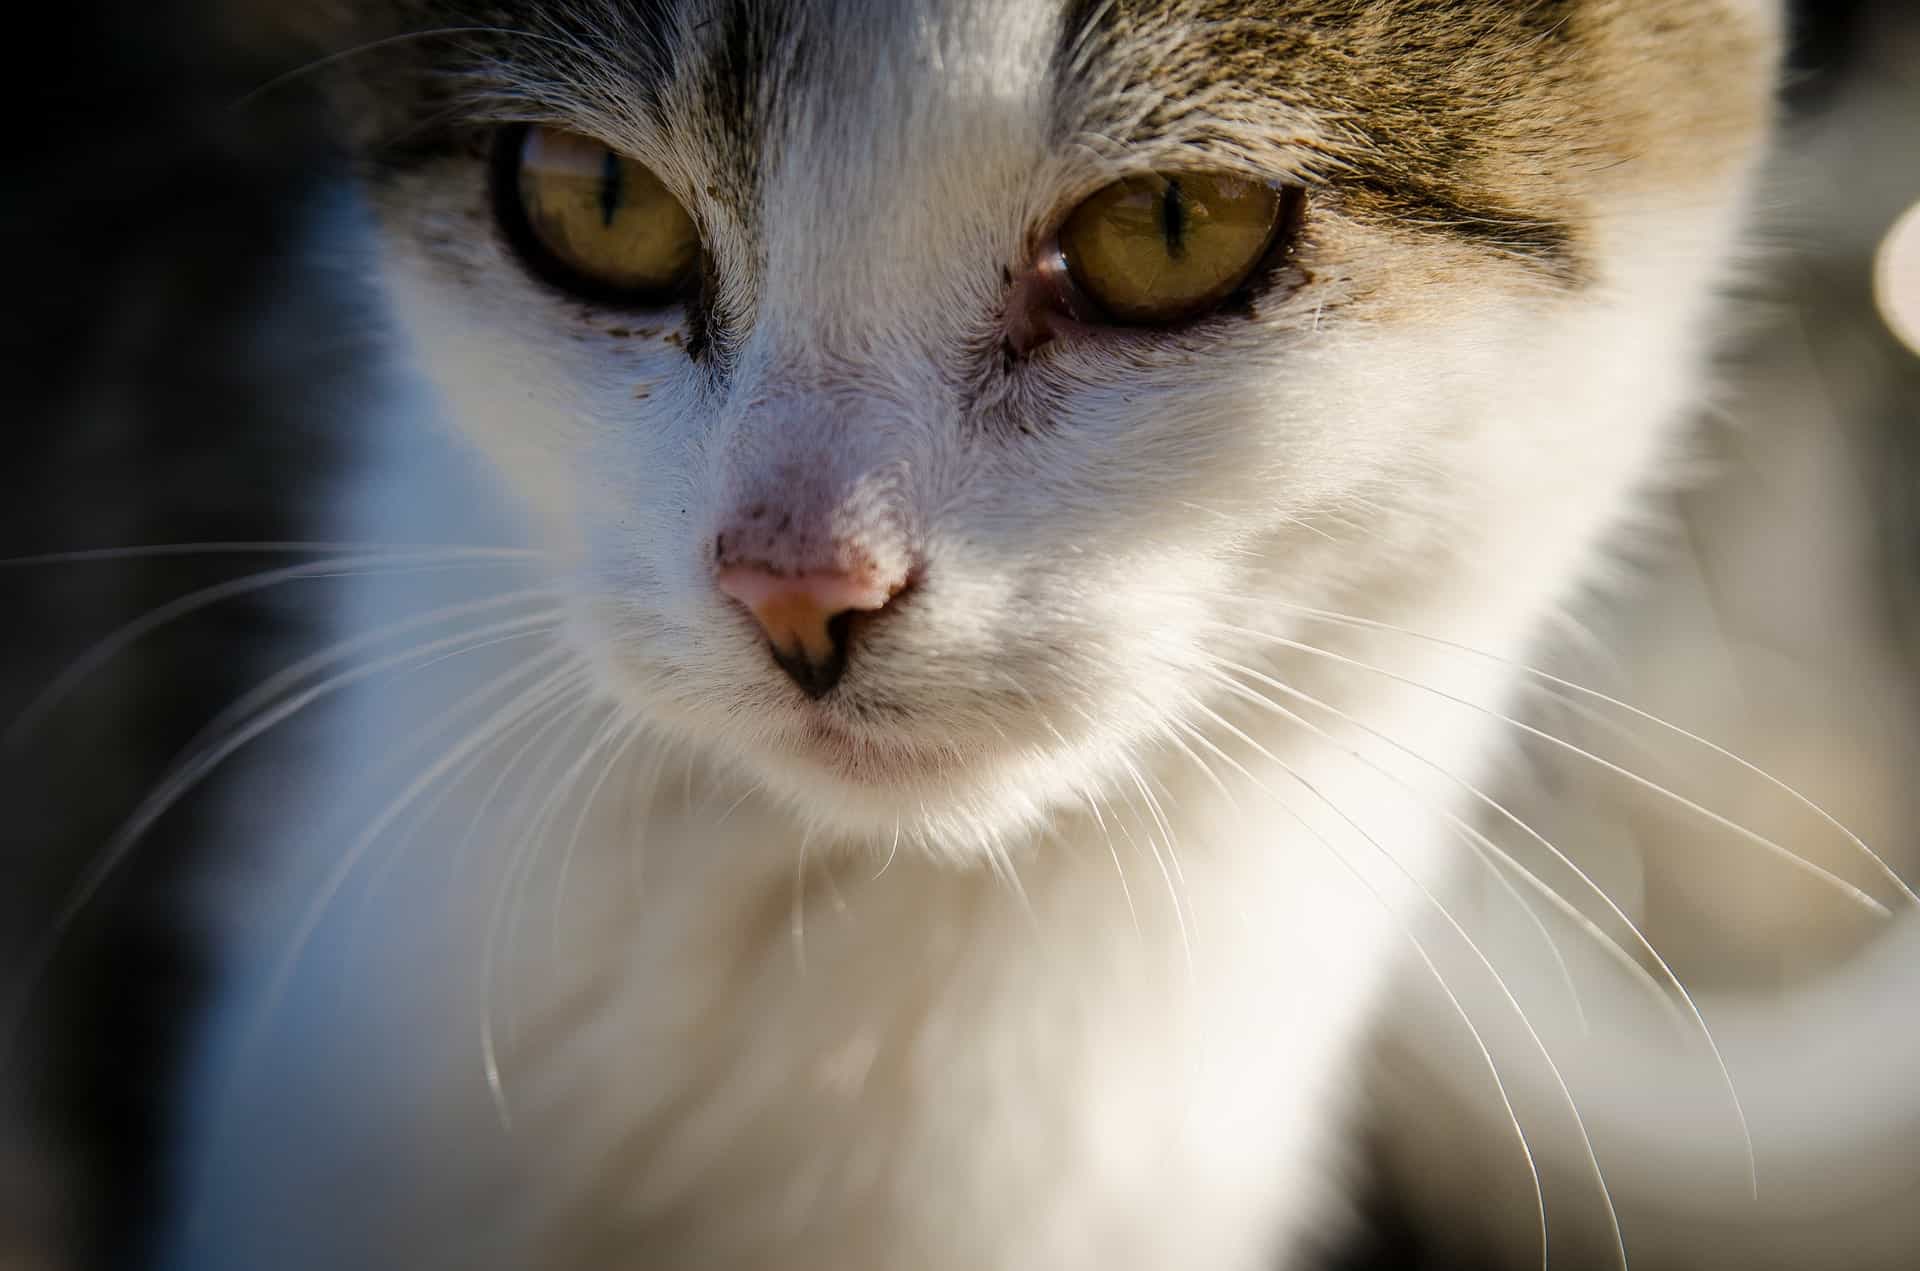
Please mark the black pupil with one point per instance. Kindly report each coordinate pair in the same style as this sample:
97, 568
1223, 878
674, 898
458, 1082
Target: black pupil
612, 177
1173, 219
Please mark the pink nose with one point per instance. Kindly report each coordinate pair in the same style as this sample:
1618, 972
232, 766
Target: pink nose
808, 617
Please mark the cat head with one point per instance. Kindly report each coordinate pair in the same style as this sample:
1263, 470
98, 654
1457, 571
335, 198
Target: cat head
917, 393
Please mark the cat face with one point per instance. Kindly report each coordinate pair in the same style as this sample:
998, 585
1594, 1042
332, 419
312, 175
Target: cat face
915, 394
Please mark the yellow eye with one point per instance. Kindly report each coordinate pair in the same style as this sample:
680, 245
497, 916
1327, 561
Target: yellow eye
593, 220
1162, 247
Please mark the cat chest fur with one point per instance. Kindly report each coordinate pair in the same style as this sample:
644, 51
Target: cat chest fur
1110, 1067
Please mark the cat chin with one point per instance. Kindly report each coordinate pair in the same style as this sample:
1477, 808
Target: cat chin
879, 763
885, 790
897, 792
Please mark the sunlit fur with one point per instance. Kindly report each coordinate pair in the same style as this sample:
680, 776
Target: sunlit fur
1050, 948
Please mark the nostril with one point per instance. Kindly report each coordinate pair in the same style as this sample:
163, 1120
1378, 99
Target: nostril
818, 673
807, 617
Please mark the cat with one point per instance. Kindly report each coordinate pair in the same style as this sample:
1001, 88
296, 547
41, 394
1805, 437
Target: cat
948, 822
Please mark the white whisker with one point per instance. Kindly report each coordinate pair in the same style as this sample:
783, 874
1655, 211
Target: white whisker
1539, 1043
111, 645
243, 547
1488, 852
183, 776
537, 836
1887, 871
1783, 853
630, 727
892, 851
359, 50
1181, 909
1106, 836
1695, 1018
519, 864
256, 697
556, 685
529, 667
1420, 950
797, 917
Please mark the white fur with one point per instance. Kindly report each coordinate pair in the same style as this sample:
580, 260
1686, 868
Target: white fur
1000, 1014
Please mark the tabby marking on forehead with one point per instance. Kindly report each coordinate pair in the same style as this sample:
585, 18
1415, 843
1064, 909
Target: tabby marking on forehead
1411, 125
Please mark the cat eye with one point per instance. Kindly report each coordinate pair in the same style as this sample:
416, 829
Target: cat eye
1157, 248
591, 220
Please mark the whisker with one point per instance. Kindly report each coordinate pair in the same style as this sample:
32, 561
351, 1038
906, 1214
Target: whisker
183, 776
1002, 863
727, 813
245, 547
1887, 871
534, 665
508, 889
556, 684
1213, 778
1586, 880
611, 722
1566, 1092
1785, 854
630, 727
109, 646
655, 773
1479, 840
1483, 848
1420, 950
560, 705
486, 736
267, 689
891, 851
1099, 819
1180, 909
1695, 1018
1160, 817
797, 915
332, 59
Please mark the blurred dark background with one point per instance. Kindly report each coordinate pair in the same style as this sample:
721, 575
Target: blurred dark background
179, 365
174, 365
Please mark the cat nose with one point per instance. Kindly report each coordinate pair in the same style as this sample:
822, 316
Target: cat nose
808, 617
